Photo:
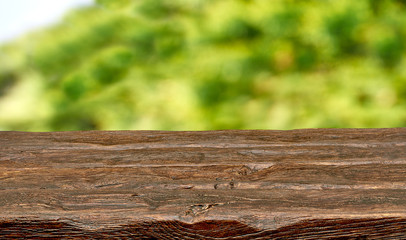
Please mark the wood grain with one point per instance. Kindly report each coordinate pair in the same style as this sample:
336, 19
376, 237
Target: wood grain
252, 184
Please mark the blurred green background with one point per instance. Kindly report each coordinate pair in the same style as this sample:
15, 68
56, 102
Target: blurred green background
210, 64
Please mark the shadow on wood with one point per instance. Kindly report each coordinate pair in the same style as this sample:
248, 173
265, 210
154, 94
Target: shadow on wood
389, 228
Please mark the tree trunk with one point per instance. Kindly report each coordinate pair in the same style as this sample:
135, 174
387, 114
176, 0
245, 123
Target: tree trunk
299, 184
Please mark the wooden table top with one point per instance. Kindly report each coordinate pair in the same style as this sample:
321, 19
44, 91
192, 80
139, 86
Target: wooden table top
232, 184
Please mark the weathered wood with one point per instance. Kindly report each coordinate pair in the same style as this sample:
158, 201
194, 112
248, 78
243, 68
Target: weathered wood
307, 184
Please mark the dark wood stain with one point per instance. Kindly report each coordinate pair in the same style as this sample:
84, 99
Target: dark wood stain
252, 184
383, 228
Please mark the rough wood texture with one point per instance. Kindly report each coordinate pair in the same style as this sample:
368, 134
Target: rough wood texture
300, 184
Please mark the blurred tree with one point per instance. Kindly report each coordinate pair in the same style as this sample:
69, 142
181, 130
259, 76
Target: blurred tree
200, 65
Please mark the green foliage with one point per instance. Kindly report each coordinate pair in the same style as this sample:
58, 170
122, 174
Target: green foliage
342, 28
7, 80
116, 4
390, 51
200, 65
238, 29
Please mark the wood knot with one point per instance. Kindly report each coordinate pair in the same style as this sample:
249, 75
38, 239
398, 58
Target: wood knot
199, 209
244, 171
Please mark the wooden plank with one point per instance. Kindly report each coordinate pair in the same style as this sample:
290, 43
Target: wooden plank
307, 184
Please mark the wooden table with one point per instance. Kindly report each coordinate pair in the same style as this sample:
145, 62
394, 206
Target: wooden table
299, 184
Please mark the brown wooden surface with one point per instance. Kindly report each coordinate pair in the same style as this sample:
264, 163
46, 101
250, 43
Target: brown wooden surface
300, 184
